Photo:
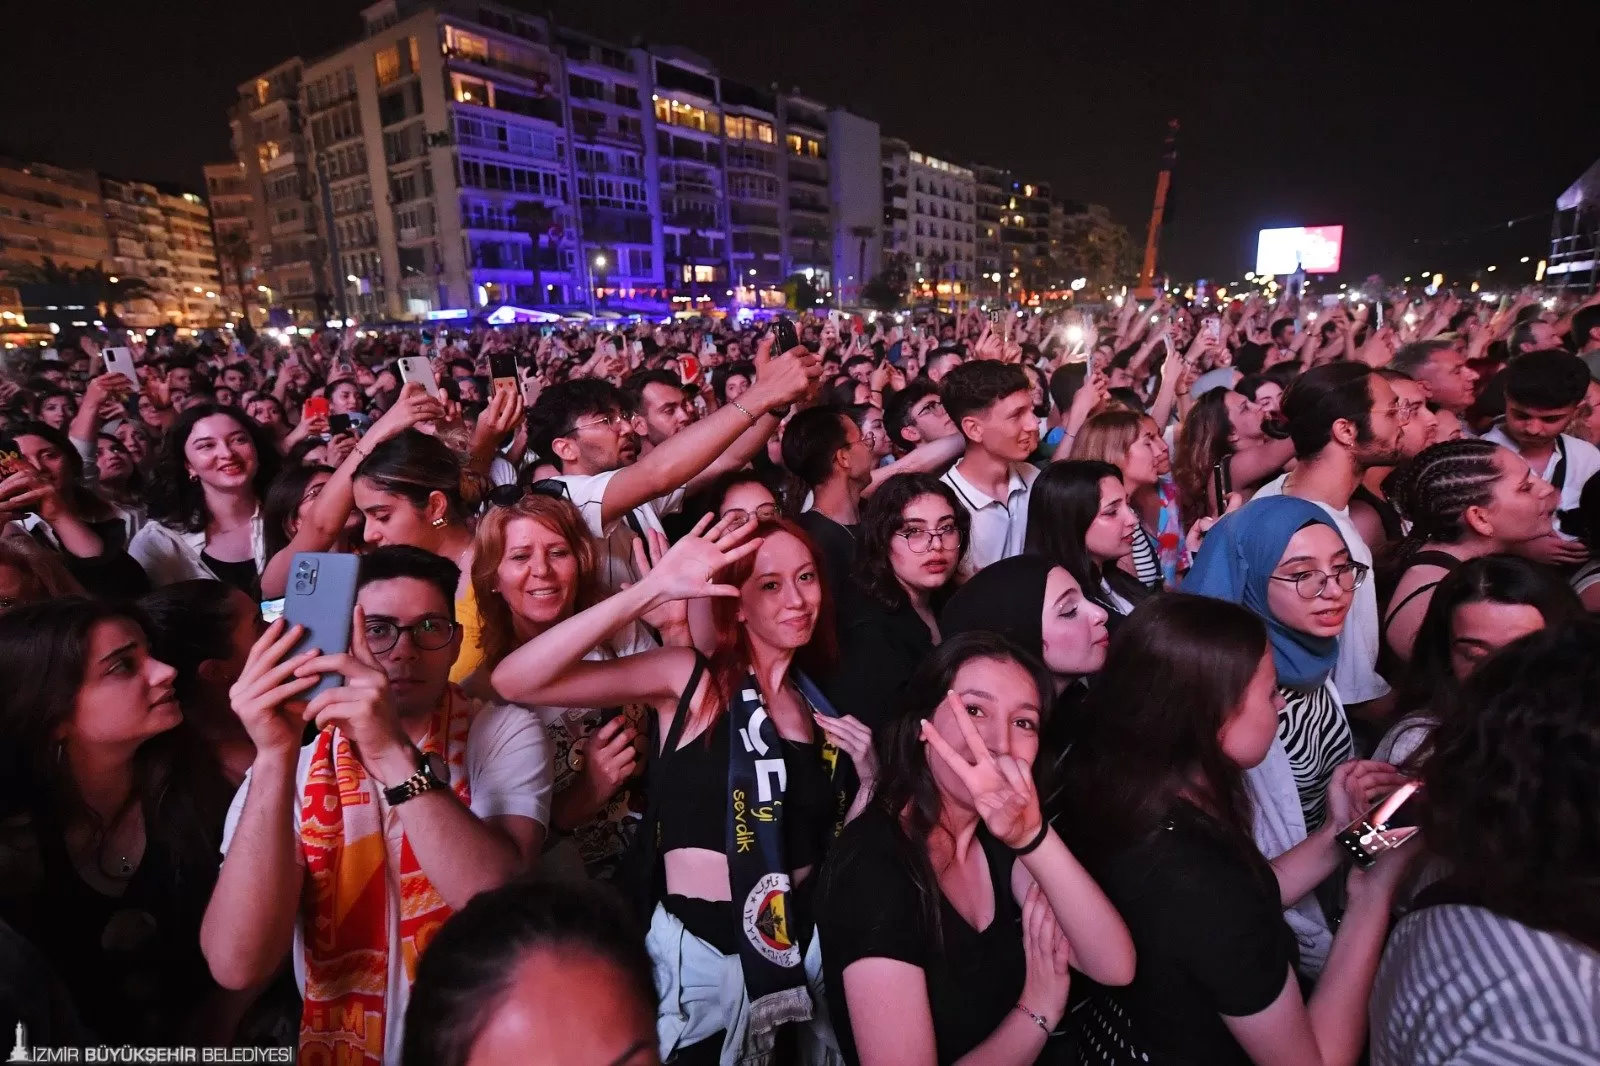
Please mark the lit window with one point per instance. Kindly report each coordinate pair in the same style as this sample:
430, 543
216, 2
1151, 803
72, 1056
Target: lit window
388, 64
416, 55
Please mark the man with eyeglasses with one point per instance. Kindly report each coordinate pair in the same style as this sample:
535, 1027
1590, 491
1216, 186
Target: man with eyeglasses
915, 415
410, 799
1345, 419
1378, 519
582, 428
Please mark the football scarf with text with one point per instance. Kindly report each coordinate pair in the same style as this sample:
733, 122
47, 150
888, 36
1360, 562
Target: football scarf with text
770, 954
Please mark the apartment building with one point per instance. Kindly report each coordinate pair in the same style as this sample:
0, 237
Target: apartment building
51, 213
855, 192
613, 162
808, 205
269, 142
686, 123
754, 159
943, 199
895, 168
992, 187
162, 236
1029, 263
229, 197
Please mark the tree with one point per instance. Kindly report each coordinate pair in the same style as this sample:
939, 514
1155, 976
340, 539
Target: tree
861, 234
235, 254
887, 289
93, 282
535, 219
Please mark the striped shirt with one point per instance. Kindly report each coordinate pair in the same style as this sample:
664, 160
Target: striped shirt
1146, 559
1316, 737
1463, 986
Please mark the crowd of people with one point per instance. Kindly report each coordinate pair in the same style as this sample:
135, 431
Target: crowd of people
991, 688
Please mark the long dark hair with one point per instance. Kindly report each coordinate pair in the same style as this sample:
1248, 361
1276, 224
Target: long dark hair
282, 504
883, 517
467, 970
906, 790
413, 465
1064, 502
179, 502
190, 623
1513, 784
1147, 733
79, 496
1430, 684
1201, 444
178, 785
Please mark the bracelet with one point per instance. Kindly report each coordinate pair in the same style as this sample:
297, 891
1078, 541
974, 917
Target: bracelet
737, 406
1038, 1019
1033, 845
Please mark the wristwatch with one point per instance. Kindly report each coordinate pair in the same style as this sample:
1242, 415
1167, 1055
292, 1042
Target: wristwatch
431, 773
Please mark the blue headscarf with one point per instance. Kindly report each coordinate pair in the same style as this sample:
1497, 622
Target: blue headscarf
1237, 559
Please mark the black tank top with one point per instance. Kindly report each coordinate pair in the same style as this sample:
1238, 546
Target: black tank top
1388, 515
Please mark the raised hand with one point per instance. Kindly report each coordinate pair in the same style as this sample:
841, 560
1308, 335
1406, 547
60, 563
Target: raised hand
688, 570
673, 615
268, 682
1356, 785
1001, 786
610, 757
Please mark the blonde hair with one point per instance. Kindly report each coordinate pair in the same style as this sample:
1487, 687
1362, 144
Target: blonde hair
1108, 435
498, 636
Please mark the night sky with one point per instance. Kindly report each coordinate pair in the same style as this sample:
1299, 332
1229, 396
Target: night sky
1423, 133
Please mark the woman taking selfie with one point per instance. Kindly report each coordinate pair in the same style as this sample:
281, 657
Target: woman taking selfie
535, 566
731, 929
912, 532
205, 501
949, 910
1221, 440
1483, 605
1283, 560
1079, 519
113, 820
1464, 499
1158, 806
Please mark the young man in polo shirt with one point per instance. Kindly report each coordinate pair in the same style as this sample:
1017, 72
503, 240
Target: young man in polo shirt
991, 403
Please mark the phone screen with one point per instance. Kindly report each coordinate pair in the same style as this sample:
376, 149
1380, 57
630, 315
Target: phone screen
1389, 824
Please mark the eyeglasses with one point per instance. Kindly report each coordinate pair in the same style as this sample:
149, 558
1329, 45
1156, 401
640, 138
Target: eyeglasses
923, 540
429, 634
1311, 583
604, 420
1404, 411
738, 516
936, 407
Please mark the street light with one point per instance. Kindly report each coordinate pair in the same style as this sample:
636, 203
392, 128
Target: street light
352, 279
599, 262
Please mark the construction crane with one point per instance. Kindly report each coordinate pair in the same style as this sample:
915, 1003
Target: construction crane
1152, 244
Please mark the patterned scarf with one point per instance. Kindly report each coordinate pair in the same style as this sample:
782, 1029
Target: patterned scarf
770, 954
346, 908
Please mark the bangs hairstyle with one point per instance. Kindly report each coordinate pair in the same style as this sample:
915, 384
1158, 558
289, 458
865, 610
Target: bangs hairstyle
1107, 436
730, 660
1175, 674
498, 636
883, 517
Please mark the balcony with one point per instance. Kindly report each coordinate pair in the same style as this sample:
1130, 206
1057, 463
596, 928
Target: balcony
700, 220
808, 207
800, 177
538, 74
691, 178
609, 226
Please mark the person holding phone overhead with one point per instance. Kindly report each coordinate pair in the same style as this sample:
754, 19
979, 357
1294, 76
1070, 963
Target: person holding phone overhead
408, 780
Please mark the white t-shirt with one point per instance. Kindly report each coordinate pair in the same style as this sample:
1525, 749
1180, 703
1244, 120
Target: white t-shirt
508, 764
1356, 674
1583, 462
587, 493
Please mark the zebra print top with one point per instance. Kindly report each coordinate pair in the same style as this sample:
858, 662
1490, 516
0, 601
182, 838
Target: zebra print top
1316, 737
1146, 559
1468, 987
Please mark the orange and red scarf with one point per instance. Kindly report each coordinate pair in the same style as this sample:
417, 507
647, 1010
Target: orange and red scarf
346, 906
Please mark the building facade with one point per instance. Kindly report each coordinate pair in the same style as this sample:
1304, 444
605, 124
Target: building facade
52, 213
943, 199
856, 192
686, 125
229, 197
162, 236
808, 201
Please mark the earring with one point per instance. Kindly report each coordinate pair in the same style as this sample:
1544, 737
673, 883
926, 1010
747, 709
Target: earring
438, 523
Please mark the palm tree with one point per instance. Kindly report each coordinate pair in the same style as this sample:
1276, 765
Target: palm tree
108, 290
862, 234
535, 219
236, 254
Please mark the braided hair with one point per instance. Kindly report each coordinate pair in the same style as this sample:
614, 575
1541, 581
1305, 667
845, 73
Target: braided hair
1434, 489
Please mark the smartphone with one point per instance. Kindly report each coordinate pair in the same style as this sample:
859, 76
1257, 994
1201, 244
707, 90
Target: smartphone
1221, 484
10, 457
314, 407
1213, 327
339, 424
1387, 826
503, 367
271, 611
688, 369
787, 338
417, 368
321, 597
120, 361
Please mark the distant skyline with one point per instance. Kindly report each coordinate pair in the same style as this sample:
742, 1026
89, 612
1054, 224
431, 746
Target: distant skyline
1423, 135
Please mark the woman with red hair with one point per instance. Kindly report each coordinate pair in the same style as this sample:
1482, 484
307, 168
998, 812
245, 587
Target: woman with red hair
736, 827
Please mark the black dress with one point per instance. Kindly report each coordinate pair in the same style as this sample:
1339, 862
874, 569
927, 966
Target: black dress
869, 906
1207, 923
878, 650
836, 542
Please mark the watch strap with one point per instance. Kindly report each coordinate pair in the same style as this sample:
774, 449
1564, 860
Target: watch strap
421, 781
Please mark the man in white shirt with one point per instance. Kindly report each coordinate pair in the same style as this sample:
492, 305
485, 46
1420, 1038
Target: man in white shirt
991, 403
354, 848
1344, 419
1543, 392
583, 427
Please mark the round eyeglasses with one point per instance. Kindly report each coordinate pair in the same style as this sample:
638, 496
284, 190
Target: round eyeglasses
1311, 583
921, 541
429, 634
738, 516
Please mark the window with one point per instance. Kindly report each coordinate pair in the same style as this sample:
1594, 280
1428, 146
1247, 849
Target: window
468, 46
581, 88
473, 91
699, 272
527, 180
674, 113
627, 96
630, 127
388, 64
416, 54
642, 262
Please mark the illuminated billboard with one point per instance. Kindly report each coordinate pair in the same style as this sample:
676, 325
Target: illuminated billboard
1315, 249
